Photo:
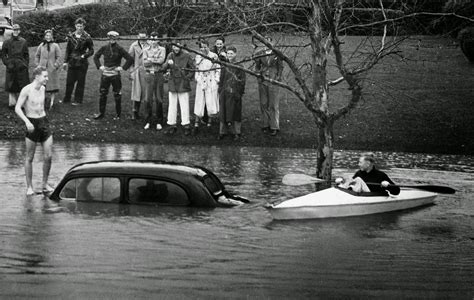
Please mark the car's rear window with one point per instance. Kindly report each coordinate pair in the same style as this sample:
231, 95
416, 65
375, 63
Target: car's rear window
103, 189
158, 192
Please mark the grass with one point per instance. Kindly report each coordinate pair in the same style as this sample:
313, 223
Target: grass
420, 104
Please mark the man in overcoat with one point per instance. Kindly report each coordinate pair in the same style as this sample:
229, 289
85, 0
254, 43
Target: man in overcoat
231, 89
79, 48
137, 74
270, 66
16, 59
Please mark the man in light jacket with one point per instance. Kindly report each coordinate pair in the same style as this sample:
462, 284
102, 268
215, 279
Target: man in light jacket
153, 59
207, 84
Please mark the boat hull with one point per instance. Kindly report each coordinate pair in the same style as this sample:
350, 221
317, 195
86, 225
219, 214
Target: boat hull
334, 202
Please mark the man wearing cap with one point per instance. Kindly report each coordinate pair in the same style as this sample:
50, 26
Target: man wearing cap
16, 59
79, 48
113, 54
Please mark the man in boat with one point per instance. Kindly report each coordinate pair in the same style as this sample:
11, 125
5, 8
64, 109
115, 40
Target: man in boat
30, 108
368, 178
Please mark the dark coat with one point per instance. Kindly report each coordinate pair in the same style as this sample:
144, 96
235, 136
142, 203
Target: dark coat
231, 89
181, 72
76, 47
269, 66
16, 59
113, 54
222, 54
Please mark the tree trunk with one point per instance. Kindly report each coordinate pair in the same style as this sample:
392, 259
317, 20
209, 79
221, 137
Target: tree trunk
325, 151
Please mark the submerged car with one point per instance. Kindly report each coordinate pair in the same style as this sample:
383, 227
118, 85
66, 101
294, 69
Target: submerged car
144, 182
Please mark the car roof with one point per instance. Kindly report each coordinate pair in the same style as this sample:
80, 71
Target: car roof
135, 167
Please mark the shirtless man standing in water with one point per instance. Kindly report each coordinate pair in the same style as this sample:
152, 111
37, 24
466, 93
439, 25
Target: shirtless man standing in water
31, 99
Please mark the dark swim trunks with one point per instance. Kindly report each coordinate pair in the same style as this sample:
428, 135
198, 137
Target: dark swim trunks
42, 131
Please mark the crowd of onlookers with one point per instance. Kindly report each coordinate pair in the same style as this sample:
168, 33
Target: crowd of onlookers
219, 85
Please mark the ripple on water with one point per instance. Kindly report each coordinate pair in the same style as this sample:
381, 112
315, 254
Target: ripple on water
127, 251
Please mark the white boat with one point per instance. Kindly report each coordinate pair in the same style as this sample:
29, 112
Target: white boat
337, 202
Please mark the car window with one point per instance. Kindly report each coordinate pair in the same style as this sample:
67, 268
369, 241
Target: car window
106, 189
143, 190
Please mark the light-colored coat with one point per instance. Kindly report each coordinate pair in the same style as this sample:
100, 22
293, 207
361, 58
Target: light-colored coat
137, 72
207, 82
51, 61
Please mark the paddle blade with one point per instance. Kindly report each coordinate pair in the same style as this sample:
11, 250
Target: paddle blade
299, 179
435, 189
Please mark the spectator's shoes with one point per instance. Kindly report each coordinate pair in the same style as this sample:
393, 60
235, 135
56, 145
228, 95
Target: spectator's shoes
117, 117
273, 132
187, 131
220, 136
147, 126
266, 129
237, 137
159, 127
171, 130
76, 103
98, 116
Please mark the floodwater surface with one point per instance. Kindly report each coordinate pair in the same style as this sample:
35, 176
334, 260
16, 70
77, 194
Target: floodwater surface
93, 251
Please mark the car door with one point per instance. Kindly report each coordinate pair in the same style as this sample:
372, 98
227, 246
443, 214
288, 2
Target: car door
156, 191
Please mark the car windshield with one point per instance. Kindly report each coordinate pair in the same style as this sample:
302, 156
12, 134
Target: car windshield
212, 183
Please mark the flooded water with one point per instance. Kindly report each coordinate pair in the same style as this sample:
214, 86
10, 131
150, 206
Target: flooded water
123, 252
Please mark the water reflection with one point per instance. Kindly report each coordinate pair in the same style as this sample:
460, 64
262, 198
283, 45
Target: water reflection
141, 251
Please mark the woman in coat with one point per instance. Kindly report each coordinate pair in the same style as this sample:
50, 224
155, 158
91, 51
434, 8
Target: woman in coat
47, 56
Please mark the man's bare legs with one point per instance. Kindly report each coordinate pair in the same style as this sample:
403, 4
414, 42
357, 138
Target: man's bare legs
47, 158
30, 155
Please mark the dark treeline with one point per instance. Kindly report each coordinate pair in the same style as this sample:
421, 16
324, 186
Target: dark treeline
149, 16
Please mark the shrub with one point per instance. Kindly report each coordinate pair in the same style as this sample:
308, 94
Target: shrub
100, 18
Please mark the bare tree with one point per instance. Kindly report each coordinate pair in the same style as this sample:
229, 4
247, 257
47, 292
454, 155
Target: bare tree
317, 57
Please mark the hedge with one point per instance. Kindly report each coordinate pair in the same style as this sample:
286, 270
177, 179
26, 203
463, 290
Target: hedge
128, 20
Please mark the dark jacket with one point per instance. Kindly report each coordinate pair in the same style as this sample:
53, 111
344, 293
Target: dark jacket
268, 65
231, 89
113, 54
76, 47
377, 176
222, 54
182, 72
16, 59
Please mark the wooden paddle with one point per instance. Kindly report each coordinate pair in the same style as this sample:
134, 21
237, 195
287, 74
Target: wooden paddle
302, 179
426, 187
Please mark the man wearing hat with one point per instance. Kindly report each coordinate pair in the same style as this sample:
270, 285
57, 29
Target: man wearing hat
79, 48
16, 59
113, 54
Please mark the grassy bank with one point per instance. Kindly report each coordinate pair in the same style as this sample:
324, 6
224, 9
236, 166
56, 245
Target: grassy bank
420, 104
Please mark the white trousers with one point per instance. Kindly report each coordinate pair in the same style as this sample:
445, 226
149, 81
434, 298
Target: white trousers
183, 99
207, 97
